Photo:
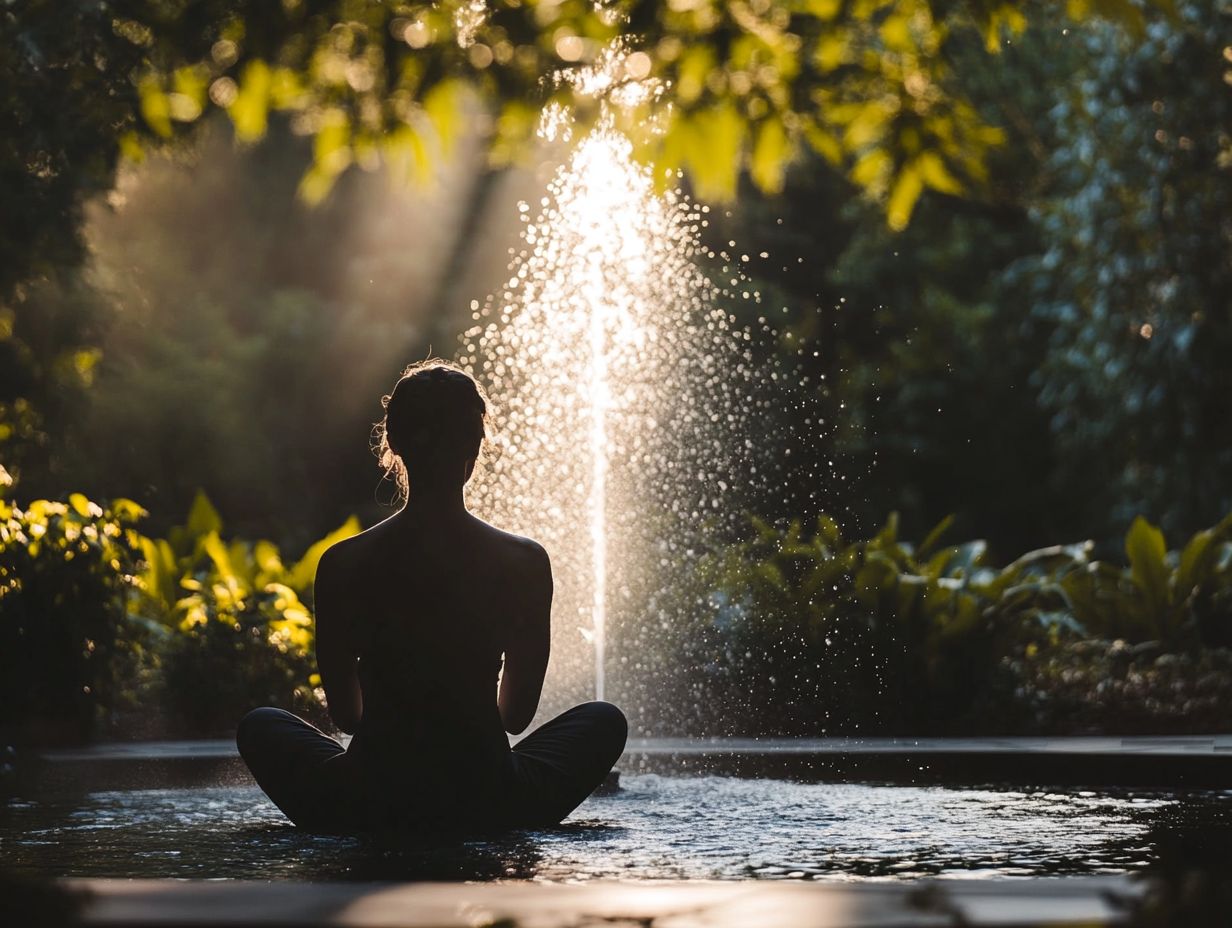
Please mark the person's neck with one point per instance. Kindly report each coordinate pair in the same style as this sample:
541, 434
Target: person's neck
430, 500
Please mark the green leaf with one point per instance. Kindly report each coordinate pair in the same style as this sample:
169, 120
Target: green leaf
872, 169
407, 155
331, 155
1078, 10
155, 107
868, 124
242, 563
832, 49
824, 143
218, 554
1053, 558
875, 581
888, 536
965, 558
515, 125
125, 510
84, 507
316, 184
966, 616
1196, 562
935, 174
765, 531
714, 159
130, 147
912, 590
203, 518
443, 104
932, 538
1124, 13
827, 530
300, 577
1144, 544
770, 573
191, 84
903, 196
695, 66
771, 152
896, 33
249, 111
824, 10
1096, 601
160, 574
268, 560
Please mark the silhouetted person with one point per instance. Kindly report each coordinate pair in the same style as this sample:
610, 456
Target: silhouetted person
414, 617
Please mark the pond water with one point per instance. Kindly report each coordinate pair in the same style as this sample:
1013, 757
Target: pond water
654, 828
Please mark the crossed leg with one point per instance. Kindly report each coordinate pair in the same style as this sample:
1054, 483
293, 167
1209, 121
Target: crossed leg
559, 764
308, 775
302, 770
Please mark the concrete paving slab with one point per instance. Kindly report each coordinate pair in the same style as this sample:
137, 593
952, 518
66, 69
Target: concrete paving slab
187, 904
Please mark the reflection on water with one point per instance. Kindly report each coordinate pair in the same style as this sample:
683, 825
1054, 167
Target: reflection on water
656, 828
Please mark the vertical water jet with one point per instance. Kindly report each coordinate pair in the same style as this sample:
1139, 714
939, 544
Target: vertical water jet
627, 409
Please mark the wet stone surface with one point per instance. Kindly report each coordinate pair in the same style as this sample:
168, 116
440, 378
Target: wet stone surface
654, 828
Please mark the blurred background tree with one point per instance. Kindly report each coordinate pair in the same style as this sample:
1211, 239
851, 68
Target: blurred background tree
1133, 283
1040, 358
250, 336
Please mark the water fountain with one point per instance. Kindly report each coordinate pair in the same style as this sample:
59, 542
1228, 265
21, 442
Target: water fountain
624, 396
574, 356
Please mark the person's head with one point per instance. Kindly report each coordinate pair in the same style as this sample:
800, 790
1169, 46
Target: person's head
434, 427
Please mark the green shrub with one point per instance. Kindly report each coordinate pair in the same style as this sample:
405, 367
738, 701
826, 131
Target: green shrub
1182, 599
823, 634
240, 633
811, 633
67, 645
236, 650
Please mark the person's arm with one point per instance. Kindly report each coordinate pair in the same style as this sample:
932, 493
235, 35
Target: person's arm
337, 660
526, 654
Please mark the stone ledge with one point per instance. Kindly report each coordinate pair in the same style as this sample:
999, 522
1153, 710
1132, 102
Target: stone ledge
188, 904
1153, 762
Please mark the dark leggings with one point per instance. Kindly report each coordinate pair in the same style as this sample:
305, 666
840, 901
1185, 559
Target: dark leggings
309, 776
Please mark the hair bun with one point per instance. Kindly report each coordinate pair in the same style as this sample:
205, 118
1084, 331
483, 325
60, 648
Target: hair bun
434, 418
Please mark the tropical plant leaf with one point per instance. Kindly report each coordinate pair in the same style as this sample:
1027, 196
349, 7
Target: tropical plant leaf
933, 538
203, 518
299, 577
1144, 545
1196, 563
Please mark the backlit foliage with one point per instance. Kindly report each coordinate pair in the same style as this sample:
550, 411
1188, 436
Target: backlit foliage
240, 632
720, 85
66, 581
191, 629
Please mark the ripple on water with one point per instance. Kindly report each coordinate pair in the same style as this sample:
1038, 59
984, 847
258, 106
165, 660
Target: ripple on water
655, 828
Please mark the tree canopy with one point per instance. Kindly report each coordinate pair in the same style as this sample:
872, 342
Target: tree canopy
707, 88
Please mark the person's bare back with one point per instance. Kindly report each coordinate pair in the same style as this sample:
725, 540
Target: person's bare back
416, 620
435, 566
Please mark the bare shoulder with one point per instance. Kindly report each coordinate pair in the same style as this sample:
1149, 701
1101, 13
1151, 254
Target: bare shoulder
338, 555
343, 557
518, 551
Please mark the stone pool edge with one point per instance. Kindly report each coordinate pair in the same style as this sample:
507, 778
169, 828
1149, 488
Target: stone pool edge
1042, 901
1188, 762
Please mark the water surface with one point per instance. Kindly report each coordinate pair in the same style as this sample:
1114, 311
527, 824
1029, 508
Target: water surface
655, 828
